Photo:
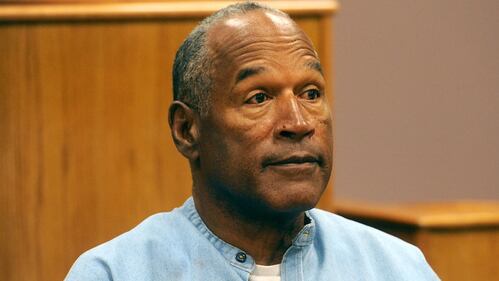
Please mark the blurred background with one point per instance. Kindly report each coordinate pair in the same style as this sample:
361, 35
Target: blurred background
417, 100
85, 150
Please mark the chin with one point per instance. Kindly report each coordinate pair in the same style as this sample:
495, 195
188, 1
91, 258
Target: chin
293, 200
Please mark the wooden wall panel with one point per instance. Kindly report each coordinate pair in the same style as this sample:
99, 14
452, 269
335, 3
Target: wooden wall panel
462, 254
88, 151
460, 240
85, 149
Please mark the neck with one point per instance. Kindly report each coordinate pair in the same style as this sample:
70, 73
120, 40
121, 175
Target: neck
265, 238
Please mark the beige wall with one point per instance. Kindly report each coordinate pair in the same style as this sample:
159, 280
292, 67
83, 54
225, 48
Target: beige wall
417, 100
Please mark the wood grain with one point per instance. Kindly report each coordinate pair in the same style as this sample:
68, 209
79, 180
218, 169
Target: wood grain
460, 240
458, 214
66, 10
85, 150
88, 147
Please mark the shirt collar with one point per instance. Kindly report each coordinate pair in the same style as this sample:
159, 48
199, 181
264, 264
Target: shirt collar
303, 239
306, 235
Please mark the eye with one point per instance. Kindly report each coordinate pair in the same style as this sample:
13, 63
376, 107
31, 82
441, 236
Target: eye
258, 98
311, 94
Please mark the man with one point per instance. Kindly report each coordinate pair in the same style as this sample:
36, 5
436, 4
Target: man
251, 116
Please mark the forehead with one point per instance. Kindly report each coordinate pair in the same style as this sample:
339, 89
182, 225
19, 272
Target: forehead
257, 35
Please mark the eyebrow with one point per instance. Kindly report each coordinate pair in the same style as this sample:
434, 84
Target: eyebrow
315, 65
247, 72
250, 71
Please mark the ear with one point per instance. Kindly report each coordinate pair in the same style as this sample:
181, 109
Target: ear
185, 130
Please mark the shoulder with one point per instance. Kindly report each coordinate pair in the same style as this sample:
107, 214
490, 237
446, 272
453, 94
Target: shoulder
128, 250
332, 227
369, 247
342, 229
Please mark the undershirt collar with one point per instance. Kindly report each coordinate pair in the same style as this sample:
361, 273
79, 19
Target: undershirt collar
267, 270
266, 273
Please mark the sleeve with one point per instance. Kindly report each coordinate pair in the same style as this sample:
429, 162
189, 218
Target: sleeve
426, 270
89, 268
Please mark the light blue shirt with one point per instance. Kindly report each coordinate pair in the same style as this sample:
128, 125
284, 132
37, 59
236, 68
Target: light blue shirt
178, 246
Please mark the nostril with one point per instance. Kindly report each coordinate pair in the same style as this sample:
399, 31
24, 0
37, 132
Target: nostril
287, 134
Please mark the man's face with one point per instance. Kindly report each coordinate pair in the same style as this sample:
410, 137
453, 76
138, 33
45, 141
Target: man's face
266, 142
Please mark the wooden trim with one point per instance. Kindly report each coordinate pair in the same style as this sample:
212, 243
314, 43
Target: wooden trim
460, 214
147, 10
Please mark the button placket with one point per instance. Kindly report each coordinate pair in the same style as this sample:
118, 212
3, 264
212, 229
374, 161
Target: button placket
241, 257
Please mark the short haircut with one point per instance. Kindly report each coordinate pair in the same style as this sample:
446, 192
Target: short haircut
192, 67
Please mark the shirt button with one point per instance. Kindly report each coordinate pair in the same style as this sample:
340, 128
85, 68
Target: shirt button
241, 257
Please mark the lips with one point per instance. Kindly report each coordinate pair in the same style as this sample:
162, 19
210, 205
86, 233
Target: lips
295, 159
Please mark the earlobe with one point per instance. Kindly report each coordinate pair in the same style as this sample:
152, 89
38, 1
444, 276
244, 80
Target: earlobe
184, 128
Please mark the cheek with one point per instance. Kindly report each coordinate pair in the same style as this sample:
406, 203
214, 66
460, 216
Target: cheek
231, 150
252, 131
324, 133
231, 166
326, 128
325, 121
239, 146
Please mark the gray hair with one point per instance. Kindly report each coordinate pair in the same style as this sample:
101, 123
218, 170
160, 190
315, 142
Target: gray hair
192, 68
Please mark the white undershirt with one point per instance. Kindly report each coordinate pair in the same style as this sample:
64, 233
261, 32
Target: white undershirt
266, 273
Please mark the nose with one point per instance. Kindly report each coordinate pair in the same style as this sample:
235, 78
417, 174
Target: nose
294, 124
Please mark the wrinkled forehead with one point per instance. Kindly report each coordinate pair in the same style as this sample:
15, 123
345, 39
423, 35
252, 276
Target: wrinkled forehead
251, 28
